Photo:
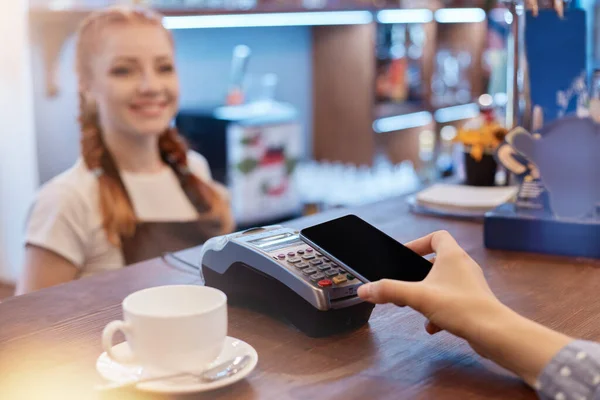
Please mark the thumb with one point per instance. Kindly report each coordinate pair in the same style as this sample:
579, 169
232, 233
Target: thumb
392, 291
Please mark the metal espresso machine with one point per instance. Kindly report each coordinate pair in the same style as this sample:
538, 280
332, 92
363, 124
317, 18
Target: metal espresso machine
270, 269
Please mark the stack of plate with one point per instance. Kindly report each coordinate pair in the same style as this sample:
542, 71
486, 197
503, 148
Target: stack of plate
461, 200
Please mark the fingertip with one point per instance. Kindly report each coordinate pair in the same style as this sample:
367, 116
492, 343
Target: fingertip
365, 291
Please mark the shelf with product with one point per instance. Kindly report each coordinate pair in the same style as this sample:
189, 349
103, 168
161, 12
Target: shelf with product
488, 80
450, 79
419, 69
404, 49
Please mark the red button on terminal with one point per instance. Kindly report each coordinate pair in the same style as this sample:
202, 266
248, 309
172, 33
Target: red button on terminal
309, 250
325, 283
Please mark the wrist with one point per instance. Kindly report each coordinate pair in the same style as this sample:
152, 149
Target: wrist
487, 322
517, 343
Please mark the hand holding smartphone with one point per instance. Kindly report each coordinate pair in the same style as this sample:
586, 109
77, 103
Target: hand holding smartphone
365, 251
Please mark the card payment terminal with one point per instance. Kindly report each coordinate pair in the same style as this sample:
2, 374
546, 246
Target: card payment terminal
272, 270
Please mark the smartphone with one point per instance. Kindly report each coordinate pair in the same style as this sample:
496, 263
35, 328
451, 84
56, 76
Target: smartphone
365, 251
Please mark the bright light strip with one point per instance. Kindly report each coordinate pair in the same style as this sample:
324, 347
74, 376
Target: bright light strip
269, 19
415, 16
399, 122
456, 113
459, 15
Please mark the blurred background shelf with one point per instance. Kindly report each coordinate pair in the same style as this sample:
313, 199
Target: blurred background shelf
436, 48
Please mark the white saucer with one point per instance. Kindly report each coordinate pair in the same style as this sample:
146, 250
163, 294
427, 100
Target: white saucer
117, 373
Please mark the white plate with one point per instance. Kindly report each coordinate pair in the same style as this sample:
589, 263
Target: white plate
116, 372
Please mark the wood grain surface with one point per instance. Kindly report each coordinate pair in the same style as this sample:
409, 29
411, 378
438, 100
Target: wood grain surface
49, 340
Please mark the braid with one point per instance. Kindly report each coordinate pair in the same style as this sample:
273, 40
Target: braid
91, 143
206, 197
118, 217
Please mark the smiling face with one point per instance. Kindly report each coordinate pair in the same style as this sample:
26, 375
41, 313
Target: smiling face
132, 79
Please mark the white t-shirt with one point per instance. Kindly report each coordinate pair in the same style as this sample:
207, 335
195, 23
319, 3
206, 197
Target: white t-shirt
66, 219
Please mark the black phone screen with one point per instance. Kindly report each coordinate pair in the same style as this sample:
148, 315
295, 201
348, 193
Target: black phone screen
367, 250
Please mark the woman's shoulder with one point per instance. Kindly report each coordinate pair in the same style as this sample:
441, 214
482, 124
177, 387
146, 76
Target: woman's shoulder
198, 165
64, 215
77, 185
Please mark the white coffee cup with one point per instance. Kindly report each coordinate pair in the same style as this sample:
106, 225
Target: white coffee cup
178, 328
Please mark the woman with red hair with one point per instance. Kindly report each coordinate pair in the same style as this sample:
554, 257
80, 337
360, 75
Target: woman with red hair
136, 191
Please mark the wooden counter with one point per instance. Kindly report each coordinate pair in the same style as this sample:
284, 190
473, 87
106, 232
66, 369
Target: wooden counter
49, 340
